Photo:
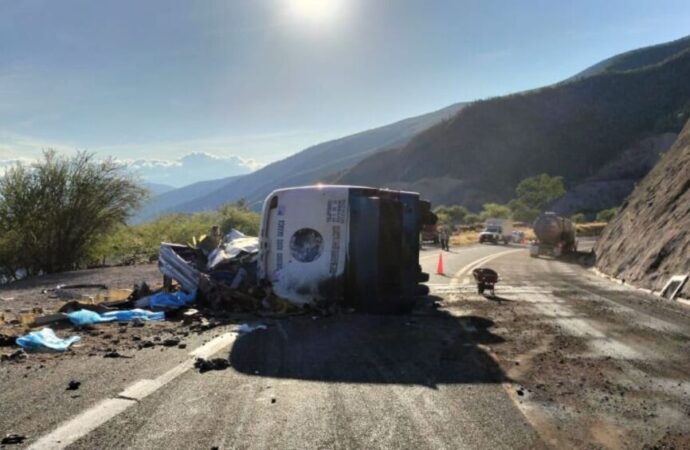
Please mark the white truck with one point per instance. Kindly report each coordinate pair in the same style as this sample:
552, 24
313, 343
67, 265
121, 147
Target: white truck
496, 231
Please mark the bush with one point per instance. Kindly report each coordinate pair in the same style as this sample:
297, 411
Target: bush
452, 214
539, 191
579, 218
472, 219
522, 212
607, 215
57, 209
142, 242
494, 211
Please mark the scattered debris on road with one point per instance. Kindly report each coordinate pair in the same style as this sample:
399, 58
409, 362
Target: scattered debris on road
206, 365
7, 340
486, 280
247, 328
17, 355
13, 439
46, 340
115, 354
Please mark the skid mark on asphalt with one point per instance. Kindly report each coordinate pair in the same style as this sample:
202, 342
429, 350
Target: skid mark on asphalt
84, 423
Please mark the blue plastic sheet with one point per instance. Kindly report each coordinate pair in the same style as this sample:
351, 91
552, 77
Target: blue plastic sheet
45, 339
166, 300
127, 315
86, 317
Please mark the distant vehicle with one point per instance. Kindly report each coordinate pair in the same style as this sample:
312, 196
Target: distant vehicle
518, 236
555, 236
430, 233
497, 230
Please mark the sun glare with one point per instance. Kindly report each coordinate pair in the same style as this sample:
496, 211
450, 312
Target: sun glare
315, 11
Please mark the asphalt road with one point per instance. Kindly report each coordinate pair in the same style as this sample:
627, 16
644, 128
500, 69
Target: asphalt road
526, 370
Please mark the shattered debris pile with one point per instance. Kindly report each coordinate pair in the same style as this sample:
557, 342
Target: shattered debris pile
202, 285
219, 274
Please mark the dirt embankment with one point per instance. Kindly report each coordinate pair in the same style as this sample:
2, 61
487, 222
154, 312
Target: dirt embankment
649, 240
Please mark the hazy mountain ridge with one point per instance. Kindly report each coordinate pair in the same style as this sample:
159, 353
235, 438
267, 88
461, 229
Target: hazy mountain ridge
191, 168
649, 240
317, 163
158, 204
570, 129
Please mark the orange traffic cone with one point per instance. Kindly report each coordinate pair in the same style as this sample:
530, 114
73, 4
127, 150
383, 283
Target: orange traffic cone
439, 268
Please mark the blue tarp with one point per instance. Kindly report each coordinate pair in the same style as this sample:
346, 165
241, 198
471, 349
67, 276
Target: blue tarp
45, 339
86, 317
127, 315
166, 300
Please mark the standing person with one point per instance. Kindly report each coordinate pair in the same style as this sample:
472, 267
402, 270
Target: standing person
443, 238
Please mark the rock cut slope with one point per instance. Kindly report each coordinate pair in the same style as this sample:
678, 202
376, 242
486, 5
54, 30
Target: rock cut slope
649, 240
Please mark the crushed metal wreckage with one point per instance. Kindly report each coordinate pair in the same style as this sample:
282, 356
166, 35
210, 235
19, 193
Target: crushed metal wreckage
319, 247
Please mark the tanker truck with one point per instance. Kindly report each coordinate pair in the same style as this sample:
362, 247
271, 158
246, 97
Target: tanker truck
555, 236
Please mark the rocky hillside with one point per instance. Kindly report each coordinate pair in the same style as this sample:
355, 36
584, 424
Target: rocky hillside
572, 129
636, 59
612, 183
649, 240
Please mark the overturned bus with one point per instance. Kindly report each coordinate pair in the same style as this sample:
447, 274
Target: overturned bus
357, 246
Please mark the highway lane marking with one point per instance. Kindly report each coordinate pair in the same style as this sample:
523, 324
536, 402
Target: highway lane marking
477, 263
79, 426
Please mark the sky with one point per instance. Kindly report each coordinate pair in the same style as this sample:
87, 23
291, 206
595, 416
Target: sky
257, 80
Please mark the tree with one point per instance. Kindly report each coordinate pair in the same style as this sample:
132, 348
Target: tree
453, 214
494, 211
579, 218
539, 191
607, 215
522, 212
472, 219
58, 208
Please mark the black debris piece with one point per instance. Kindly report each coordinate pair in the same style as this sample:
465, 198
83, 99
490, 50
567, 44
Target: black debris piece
114, 354
205, 365
73, 385
140, 291
18, 355
11, 439
146, 344
171, 342
6, 340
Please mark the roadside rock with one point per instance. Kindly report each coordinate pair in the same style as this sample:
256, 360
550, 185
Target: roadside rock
648, 241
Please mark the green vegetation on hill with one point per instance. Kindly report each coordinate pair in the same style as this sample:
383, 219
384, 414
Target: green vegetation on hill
140, 243
567, 130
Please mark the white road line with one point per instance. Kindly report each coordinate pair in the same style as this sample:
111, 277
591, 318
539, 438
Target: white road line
84, 423
479, 262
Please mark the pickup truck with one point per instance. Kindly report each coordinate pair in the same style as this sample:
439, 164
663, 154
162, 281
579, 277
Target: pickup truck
497, 231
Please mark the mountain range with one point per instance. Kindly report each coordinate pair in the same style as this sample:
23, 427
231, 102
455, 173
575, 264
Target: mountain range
320, 163
572, 129
602, 130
